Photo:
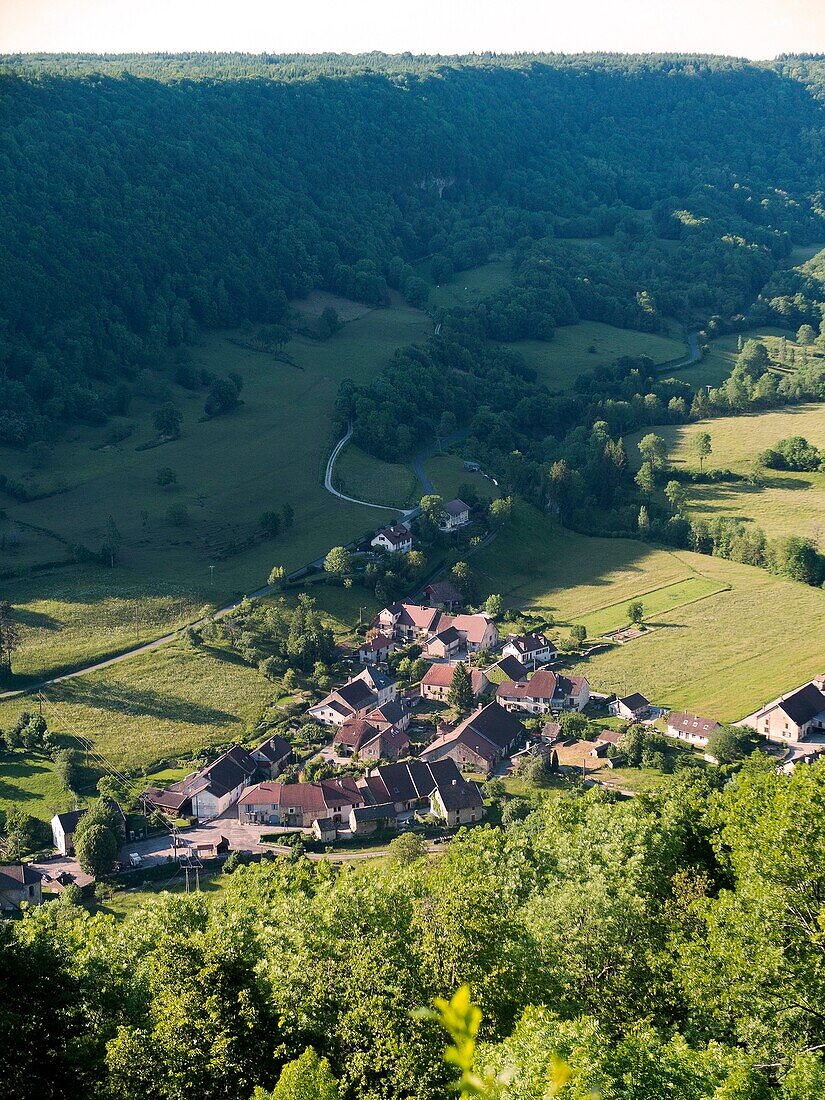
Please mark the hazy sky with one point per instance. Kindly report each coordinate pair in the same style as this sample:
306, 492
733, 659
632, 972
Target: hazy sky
748, 28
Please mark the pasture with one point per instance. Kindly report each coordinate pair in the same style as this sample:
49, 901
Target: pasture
448, 475
200, 537
787, 503
575, 349
471, 286
717, 649
361, 475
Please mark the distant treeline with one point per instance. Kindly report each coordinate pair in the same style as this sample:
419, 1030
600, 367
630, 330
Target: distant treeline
145, 197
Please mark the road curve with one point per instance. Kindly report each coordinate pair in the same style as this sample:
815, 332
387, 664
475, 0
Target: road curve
330, 488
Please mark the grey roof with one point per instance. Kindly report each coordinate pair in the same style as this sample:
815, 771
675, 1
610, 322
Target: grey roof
68, 821
635, 701
460, 795
274, 748
456, 507
379, 680
14, 876
380, 812
356, 694
803, 705
512, 668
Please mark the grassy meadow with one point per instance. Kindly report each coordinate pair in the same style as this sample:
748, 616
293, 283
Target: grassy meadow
368, 478
447, 474
268, 453
716, 646
787, 503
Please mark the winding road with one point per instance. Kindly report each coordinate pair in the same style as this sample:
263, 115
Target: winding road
330, 488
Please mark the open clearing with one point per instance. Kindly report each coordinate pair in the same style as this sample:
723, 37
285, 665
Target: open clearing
787, 503
361, 475
268, 453
471, 286
561, 360
448, 475
721, 655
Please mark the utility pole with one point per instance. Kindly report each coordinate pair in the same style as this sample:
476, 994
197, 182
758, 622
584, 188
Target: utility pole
137, 627
211, 574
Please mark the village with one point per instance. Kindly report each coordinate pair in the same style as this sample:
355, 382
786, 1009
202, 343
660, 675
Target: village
418, 758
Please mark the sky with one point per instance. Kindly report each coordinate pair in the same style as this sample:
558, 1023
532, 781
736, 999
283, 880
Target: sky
758, 29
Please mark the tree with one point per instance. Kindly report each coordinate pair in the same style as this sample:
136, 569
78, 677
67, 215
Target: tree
288, 512
276, 576
653, 450
728, 744
406, 849
460, 696
338, 561
643, 522
112, 789
701, 447
646, 479
165, 477
805, 335
635, 611
167, 420
270, 524
111, 543
494, 606
67, 768
676, 497
578, 633
306, 1078
223, 396
9, 635
96, 850
501, 511
463, 579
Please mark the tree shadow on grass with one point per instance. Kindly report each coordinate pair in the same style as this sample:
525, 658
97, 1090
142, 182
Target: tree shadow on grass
144, 702
37, 620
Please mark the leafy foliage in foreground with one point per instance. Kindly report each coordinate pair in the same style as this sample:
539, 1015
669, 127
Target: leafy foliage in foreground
668, 943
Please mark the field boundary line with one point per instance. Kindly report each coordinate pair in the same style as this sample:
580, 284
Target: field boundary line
639, 595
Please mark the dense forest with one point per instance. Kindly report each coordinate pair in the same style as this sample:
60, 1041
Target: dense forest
670, 945
144, 197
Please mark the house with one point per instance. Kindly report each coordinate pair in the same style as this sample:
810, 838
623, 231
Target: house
544, 692
411, 787
436, 682
508, 668
457, 803
395, 540
390, 715
444, 645
551, 732
63, 830
480, 742
409, 622
369, 741
207, 793
352, 699
608, 737
368, 819
792, 717
632, 707
325, 830
530, 649
19, 882
444, 594
382, 685
690, 728
376, 650
272, 756
456, 514
299, 804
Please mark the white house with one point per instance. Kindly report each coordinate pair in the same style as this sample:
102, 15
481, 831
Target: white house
352, 700
207, 793
530, 649
456, 514
544, 693
395, 540
690, 727
631, 707
63, 830
384, 687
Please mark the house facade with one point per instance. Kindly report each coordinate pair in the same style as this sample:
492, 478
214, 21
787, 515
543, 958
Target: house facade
376, 650
352, 700
394, 540
792, 717
456, 514
437, 680
408, 622
444, 645
63, 830
544, 693
690, 728
632, 707
207, 793
530, 649
299, 804
19, 883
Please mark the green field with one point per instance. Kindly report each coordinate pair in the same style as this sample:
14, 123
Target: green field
29, 782
787, 503
655, 604
561, 360
723, 654
447, 474
272, 451
367, 478
468, 287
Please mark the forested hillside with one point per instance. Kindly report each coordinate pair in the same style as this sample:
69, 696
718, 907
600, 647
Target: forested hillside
146, 196
666, 946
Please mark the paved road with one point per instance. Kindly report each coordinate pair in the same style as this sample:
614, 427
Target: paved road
419, 460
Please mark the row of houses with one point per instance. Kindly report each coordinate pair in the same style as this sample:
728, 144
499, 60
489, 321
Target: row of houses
440, 634
388, 796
